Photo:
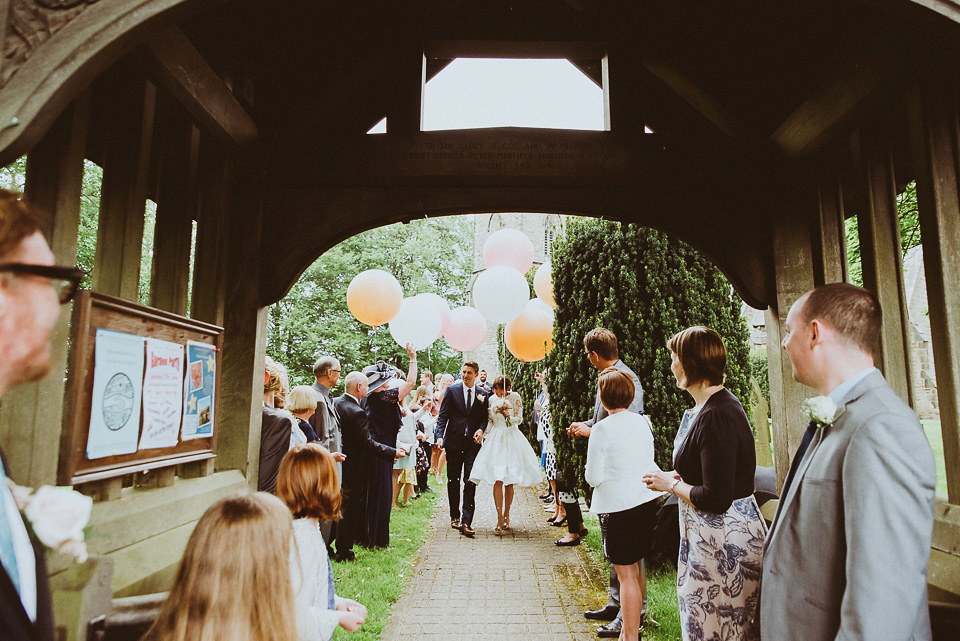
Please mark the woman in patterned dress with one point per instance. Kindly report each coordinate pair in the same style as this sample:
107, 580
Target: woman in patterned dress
721, 528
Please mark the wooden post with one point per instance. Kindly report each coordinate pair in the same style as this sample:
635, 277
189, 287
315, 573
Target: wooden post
31, 414
933, 132
210, 258
880, 256
406, 107
793, 262
176, 209
830, 247
123, 198
245, 337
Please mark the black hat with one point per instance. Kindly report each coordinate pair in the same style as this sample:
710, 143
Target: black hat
379, 374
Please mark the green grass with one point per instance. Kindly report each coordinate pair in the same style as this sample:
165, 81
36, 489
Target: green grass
934, 435
661, 590
378, 577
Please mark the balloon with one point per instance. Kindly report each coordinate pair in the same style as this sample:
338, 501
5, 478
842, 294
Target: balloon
442, 308
467, 330
500, 294
543, 284
418, 322
374, 297
529, 337
510, 248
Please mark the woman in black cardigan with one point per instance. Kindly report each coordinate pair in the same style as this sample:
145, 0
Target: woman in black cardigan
721, 528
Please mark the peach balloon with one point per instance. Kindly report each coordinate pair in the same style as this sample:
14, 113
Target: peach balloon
467, 330
543, 284
510, 248
529, 337
374, 297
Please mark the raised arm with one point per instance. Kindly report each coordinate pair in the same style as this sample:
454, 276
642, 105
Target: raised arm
407, 385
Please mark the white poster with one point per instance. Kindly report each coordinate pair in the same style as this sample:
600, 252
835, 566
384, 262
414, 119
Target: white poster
117, 384
162, 394
199, 391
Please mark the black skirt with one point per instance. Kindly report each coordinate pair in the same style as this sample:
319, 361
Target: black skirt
628, 535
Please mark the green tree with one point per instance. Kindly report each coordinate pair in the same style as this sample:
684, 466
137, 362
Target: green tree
909, 218
429, 255
644, 286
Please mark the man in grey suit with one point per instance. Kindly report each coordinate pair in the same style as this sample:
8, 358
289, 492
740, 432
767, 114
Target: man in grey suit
326, 423
846, 556
601, 349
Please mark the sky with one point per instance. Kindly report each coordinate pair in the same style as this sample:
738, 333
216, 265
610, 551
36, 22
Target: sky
477, 92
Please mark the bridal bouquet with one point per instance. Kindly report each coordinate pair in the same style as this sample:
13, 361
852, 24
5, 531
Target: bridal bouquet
56, 515
497, 405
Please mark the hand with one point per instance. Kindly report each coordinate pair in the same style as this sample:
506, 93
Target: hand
478, 436
420, 436
578, 429
660, 481
412, 354
505, 410
400, 453
438, 444
349, 605
351, 621
339, 457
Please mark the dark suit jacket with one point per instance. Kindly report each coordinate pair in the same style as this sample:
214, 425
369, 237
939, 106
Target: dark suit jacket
457, 424
15, 625
275, 431
358, 443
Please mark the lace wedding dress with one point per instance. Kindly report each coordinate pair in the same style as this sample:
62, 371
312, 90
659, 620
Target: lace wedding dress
506, 454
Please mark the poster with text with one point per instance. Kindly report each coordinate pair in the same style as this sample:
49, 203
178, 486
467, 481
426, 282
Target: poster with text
199, 391
162, 394
117, 386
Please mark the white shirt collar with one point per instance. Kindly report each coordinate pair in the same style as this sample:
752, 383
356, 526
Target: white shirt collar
352, 396
843, 388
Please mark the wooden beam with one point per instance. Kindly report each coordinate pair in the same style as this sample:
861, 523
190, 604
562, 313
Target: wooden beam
175, 64
833, 104
210, 262
830, 250
933, 131
708, 106
525, 49
880, 255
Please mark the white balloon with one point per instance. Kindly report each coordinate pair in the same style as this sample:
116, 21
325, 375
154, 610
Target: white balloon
509, 248
500, 294
443, 308
536, 305
417, 322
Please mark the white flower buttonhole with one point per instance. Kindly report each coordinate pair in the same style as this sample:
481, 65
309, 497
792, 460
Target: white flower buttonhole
821, 410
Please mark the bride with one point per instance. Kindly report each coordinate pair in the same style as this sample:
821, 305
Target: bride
506, 458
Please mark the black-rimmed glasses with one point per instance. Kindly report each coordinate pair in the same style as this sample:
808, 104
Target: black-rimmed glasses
64, 280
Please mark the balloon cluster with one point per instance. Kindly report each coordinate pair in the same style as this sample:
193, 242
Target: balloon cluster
500, 295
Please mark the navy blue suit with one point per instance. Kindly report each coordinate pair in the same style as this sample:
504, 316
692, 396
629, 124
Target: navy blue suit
458, 425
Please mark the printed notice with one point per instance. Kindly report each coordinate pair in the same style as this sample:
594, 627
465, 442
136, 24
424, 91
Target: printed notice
117, 386
199, 391
162, 394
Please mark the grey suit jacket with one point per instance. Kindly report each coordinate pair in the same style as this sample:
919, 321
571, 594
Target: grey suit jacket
847, 554
599, 413
326, 423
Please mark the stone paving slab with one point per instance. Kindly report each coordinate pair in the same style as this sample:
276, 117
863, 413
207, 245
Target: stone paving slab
495, 587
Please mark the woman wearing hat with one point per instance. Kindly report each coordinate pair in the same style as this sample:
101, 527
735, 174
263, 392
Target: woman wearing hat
386, 388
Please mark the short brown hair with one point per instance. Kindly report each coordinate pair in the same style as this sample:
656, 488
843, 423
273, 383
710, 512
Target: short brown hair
473, 364
603, 342
852, 312
616, 389
307, 482
502, 382
17, 221
701, 354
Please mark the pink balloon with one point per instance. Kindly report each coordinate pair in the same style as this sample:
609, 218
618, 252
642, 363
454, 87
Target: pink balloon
443, 308
508, 247
468, 329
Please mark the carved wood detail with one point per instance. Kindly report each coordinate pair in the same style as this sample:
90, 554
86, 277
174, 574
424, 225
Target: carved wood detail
31, 23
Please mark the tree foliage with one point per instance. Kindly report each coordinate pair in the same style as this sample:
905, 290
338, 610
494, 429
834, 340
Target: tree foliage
430, 255
643, 286
909, 218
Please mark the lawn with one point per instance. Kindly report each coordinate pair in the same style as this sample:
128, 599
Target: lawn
377, 578
932, 428
661, 590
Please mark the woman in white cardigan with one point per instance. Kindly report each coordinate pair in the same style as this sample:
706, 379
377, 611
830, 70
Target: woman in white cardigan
619, 452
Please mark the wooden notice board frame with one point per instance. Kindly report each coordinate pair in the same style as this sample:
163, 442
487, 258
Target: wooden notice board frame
93, 311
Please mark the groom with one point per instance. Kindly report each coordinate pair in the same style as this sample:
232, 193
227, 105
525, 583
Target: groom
462, 421
846, 556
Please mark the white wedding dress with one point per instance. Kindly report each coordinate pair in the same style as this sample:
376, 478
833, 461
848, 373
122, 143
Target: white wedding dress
506, 454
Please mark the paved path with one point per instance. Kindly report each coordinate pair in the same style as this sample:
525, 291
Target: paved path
517, 586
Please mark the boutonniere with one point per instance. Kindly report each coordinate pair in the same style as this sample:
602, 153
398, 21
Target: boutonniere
57, 516
821, 410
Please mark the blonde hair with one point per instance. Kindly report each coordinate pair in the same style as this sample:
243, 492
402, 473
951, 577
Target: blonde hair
233, 583
307, 483
420, 394
301, 399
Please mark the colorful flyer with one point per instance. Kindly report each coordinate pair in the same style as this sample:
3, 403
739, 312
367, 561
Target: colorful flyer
199, 392
117, 387
162, 394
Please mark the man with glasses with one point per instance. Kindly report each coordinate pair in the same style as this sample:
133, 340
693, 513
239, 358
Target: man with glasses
32, 289
326, 423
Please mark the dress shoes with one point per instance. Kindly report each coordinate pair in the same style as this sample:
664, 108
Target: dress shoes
455, 524
606, 613
339, 557
561, 543
466, 530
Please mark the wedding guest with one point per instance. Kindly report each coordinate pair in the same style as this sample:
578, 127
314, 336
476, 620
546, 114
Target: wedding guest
426, 418
426, 381
620, 445
483, 382
714, 465
302, 403
279, 430
404, 474
439, 457
506, 458
308, 484
233, 582
383, 411
550, 461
